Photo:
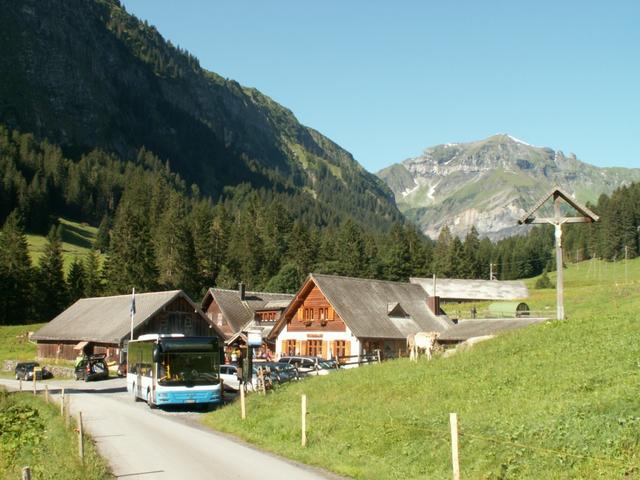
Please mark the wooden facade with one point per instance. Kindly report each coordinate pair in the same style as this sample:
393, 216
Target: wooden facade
316, 314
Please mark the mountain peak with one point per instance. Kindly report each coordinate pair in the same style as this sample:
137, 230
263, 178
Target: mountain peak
490, 183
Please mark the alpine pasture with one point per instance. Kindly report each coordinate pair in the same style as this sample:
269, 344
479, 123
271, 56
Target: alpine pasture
555, 400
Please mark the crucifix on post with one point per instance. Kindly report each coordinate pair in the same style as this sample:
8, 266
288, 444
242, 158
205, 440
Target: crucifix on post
557, 221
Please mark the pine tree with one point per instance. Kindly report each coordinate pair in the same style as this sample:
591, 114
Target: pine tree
350, 249
471, 266
52, 289
93, 274
102, 237
16, 274
132, 262
76, 280
441, 253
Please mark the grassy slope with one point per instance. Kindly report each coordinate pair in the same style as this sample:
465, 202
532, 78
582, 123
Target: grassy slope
14, 343
558, 400
78, 239
54, 455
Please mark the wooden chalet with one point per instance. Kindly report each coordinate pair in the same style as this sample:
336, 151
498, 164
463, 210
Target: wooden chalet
333, 316
236, 311
103, 324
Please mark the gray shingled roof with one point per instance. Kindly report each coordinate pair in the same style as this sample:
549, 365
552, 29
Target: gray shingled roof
460, 289
477, 328
239, 312
363, 304
106, 319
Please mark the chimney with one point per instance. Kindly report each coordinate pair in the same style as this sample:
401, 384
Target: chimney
241, 290
433, 303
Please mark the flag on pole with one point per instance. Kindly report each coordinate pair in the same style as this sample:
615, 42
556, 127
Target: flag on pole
133, 309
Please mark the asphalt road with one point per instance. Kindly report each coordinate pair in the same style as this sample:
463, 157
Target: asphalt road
140, 443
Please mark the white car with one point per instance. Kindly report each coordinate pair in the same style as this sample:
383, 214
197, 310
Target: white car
310, 365
229, 373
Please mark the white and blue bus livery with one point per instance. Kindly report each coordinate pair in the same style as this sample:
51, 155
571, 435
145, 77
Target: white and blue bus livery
174, 370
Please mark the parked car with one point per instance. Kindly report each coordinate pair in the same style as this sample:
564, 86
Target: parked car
24, 371
281, 372
93, 367
310, 365
229, 373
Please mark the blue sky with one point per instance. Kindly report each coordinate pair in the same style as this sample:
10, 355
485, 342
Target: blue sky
387, 79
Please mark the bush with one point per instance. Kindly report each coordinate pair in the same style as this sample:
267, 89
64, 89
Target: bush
544, 282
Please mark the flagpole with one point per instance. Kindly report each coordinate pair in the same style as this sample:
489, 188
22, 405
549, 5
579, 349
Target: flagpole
133, 309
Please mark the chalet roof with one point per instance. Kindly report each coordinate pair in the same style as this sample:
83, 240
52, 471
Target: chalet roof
478, 328
459, 289
363, 305
108, 319
239, 312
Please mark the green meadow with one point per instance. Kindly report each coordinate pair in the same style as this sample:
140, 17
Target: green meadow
77, 241
557, 400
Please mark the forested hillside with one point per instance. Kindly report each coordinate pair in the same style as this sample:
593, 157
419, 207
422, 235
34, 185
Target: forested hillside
86, 75
158, 233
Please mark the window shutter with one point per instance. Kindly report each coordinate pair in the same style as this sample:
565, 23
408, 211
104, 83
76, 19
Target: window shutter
300, 314
347, 349
283, 346
325, 351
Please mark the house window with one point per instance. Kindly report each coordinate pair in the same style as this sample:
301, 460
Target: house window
308, 314
341, 348
314, 348
290, 347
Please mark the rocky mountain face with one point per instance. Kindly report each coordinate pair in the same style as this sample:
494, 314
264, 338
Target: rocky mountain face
490, 184
85, 74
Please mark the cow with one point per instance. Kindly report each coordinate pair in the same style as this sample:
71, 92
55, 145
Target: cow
422, 341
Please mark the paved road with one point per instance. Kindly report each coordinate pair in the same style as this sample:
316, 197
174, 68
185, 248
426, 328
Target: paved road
140, 443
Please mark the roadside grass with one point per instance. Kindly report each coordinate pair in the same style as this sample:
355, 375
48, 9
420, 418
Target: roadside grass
557, 400
33, 434
77, 241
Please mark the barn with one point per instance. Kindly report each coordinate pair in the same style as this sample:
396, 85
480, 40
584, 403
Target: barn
103, 324
333, 316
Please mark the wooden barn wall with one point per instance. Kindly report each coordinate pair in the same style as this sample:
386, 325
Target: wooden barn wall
315, 301
64, 350
214, 313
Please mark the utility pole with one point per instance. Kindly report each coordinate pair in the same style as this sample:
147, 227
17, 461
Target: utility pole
557, 221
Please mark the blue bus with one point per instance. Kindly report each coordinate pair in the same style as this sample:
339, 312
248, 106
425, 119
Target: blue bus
174, 370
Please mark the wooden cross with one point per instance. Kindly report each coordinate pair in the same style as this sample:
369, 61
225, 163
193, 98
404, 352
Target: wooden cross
557, 221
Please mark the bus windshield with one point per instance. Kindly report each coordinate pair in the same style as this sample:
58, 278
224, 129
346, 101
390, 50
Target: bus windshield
178, 368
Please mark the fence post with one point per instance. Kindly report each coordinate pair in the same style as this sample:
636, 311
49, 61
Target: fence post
34, 382
66, 411
80, 438
304, 420
222, 391
46, 394
243, 411
26, 473
378, 352
20, 387
62, 402
453, 419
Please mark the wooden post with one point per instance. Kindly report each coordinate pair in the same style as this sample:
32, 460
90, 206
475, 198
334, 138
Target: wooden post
80, 438
20, 386
378, 352
304, 420
559, 270
626, 270
221, 390
62, 402
66, 411
243, 411
46, 394
453, 419
26, 473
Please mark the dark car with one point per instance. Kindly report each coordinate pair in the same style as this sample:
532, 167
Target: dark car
24, 371
93, 367
281, 372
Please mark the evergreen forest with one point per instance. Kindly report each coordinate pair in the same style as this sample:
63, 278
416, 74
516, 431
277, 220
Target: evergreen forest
157, 232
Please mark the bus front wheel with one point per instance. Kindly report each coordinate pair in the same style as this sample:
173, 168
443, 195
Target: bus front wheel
150, 400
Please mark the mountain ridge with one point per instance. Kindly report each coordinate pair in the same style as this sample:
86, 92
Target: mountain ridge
490, 183
87, 75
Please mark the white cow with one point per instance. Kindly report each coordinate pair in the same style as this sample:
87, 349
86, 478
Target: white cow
421, 341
